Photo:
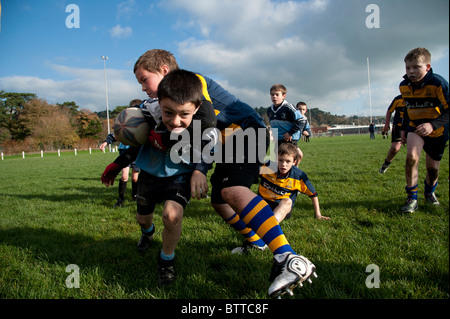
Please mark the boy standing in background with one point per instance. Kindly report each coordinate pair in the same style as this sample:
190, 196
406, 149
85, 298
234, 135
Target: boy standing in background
426, 99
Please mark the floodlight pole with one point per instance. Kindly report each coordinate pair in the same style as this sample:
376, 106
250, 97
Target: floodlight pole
104, 58
370, 93
106, 92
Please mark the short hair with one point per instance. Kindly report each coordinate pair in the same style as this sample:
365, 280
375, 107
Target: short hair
278, 87
135, 102
301, 103
154, 59
289, 149
418, 54
182, 87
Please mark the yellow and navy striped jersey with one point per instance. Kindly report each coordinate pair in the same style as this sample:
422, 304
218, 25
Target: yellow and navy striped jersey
426, 102
397, 106
274, 187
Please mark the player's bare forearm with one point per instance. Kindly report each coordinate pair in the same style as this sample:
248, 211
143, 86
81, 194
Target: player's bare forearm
316, 206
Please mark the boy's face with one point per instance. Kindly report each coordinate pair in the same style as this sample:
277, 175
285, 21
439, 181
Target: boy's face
285, 163
149, 81
277, 97
302, 109
177, 117
416, 70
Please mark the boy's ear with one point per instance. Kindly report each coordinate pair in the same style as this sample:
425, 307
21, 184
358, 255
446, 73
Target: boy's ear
164, 70
197, 107
428, 67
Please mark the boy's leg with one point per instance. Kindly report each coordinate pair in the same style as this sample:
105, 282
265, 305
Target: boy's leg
257, 215
172, 219
134, 180
289, 269
393, 150
431, 180
283, 210
145, 220
122, 187
414, 148
252, 240
176, 193
144, 215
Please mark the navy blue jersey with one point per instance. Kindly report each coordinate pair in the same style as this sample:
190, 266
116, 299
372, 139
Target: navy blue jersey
287, 119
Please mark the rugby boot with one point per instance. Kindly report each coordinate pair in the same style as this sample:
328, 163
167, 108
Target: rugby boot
289, 271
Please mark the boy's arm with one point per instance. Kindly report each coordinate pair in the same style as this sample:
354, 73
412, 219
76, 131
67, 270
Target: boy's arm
109, 140
387, 122
112, 170
207, 116
316, 206
441, 120
299, 125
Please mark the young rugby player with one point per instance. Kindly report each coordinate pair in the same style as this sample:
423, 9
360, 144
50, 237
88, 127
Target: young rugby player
280, 188
283, 116
180, 101
426, 97
397, 106
126, 170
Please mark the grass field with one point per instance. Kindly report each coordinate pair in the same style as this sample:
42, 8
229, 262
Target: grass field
55, 212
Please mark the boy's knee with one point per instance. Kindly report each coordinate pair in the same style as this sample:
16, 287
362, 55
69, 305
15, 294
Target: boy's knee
412, 160
286, 202
227, 194
144, 220
171, 219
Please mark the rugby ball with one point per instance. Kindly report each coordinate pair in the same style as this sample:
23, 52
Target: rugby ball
131, 127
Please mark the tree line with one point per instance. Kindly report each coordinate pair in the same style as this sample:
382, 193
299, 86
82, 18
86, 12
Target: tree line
28, 123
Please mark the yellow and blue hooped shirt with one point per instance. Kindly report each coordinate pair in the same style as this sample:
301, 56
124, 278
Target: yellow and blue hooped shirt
274, 187
427, 102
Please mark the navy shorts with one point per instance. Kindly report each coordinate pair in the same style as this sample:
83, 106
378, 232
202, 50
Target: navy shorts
242, 171
132, 165
153, 190
434, 146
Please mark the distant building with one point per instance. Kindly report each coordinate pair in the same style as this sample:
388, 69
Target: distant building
337, 130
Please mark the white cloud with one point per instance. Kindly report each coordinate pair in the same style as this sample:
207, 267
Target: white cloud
86, 87
317, 48
121, 33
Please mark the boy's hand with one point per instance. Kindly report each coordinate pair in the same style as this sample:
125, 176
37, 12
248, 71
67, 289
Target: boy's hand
403, 137
199, 185
102, 147
424, 129
322, 217
156, 140
110, 173
287, 137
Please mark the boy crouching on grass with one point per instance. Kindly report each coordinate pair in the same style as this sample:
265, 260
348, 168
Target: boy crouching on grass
279, 189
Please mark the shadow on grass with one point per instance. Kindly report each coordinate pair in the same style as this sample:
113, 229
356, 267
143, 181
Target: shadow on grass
206, 270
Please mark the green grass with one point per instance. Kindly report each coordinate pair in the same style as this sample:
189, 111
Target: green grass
54, 212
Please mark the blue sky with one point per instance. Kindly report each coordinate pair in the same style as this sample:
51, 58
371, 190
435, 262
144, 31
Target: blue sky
317, 48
